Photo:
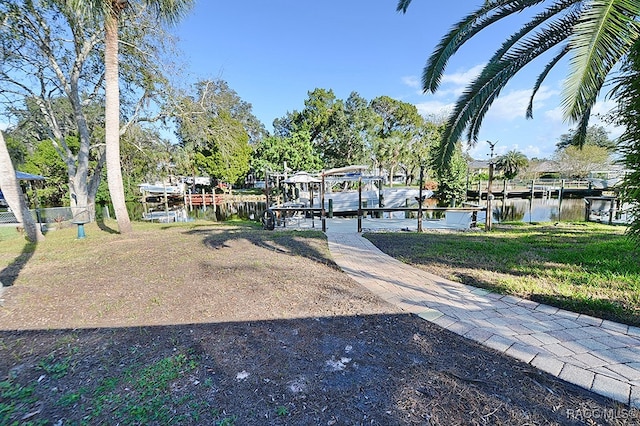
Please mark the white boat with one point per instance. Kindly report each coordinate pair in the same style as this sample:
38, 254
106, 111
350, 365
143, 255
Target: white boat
341, 193
159, 188
347, 201
597, 183
605, 179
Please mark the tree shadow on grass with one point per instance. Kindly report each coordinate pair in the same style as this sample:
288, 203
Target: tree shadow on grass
9, 274
308, 244
104, 227
373, 369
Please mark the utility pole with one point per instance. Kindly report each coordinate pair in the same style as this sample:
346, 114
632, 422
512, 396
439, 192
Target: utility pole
489, 194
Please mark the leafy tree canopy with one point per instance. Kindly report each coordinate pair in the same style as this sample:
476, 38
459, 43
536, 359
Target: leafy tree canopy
296, 150
511, 163
45, 161
627, 93
596, 135
213, 128
579, 162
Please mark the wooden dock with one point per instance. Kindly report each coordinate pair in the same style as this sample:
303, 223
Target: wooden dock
538, 193
542, 188
199, 200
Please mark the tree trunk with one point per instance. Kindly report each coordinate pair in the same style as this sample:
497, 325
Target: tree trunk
112, 124
14, 196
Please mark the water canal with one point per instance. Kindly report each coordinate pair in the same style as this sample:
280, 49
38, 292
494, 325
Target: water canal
511, 210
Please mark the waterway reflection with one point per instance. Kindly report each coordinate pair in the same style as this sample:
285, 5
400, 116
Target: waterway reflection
231, 210
538, 210
508, 210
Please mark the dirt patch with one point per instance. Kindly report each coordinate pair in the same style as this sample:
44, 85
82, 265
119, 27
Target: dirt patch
229, 325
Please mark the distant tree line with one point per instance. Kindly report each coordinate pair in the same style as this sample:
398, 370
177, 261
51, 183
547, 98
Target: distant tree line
52, 77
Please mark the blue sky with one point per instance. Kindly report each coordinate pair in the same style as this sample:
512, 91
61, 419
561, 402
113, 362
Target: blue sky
273, 52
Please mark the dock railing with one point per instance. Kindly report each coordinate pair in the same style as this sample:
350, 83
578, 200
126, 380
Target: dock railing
453, 215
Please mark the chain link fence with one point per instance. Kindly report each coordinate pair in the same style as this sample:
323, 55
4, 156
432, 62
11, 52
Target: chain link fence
48, 215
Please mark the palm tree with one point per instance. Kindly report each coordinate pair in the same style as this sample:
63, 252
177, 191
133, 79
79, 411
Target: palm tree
511, 163
14, 196
596, 34
111, 11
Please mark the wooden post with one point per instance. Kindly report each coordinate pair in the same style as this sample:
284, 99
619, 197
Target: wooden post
487, 224
359, 204
533, 185
612, 206
560, 196
322, 211
166, 202
489, 198
144, 203
587, 209
266, 187
213, 203
420, 198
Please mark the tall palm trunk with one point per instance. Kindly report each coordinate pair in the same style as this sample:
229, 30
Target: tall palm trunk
112, 123
13, 194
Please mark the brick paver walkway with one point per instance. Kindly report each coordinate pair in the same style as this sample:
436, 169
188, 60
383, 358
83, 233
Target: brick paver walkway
596, 354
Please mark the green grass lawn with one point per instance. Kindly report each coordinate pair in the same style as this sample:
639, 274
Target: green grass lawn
586, 268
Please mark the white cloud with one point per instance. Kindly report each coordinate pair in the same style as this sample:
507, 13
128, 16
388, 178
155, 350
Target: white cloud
598, 116
3, 126
531, 151
453, 84
436, 108
478, 152
514, 104
603, 107
598, 113
462, 78
411, 81
555, 115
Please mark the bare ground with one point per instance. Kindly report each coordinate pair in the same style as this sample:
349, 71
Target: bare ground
257, 328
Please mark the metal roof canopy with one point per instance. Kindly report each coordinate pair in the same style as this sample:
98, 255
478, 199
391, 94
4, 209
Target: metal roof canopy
349, 173
28, 176
345, 170
302, 177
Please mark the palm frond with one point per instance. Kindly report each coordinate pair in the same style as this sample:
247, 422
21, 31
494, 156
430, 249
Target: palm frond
542, 76
463, 31
472, 106
403, 5
581, 132
497, 73
169, 11
95, 9
566, 7
492, 79
605, 33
